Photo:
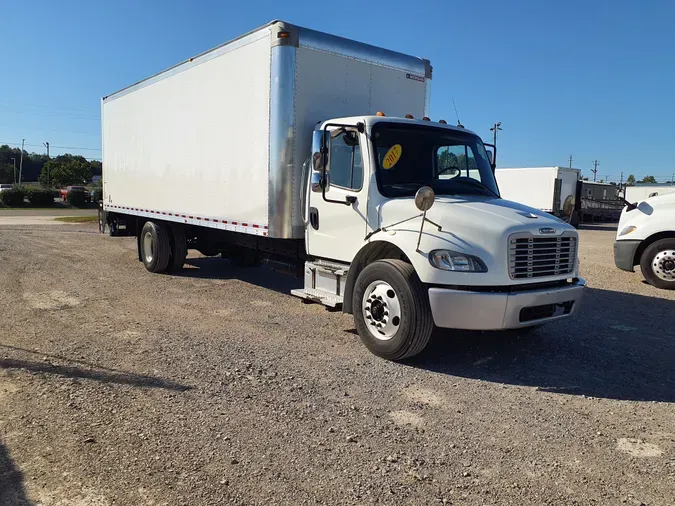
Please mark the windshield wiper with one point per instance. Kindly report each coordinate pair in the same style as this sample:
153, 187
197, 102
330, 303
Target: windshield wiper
477, 184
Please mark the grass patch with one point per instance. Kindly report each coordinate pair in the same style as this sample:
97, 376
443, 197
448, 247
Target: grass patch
77, 219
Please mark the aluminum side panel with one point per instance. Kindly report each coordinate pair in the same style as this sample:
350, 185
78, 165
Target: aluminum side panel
195, 142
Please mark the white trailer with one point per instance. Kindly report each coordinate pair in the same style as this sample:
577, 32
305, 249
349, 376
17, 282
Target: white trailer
639, 192
301, 149
549, 189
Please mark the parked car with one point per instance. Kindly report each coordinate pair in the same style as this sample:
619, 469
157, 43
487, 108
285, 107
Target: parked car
4, 187
64, 192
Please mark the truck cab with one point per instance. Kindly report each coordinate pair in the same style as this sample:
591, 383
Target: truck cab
646, 237
406, 229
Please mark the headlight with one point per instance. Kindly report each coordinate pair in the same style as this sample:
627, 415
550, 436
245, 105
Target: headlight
452, 261
627, 230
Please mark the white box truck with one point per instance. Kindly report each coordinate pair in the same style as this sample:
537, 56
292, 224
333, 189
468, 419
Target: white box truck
646, 237
640, 192
314, 154
549, 189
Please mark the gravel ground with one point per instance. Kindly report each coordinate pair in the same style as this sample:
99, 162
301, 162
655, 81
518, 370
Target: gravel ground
217, 387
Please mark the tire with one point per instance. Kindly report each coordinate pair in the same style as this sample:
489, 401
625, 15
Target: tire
113, 230
178, 248
373, 305
658, 264
155, 243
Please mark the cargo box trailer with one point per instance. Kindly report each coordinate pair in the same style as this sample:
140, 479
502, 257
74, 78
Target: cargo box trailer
641, 192
549, 189
315, 154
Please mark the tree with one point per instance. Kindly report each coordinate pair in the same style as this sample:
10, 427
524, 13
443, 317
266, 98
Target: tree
6, 173
65, 170
649, 179
630, 181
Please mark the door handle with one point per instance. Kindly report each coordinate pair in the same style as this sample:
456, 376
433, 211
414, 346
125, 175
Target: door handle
314, 218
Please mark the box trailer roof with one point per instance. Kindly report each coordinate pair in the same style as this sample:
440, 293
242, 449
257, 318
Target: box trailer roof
300, 37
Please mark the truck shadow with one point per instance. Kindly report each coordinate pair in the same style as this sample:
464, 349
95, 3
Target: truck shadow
91, 372
218, 268
12, 492
619, 346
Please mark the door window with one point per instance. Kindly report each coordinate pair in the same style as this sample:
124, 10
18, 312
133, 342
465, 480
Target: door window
346, 164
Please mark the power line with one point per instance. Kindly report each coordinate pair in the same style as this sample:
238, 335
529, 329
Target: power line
59, 147
45, 106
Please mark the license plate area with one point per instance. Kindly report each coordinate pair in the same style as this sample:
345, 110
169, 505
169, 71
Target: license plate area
532, 313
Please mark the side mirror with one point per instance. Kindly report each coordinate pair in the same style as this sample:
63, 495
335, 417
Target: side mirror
319, 160
492, 155
318, 183
424, 198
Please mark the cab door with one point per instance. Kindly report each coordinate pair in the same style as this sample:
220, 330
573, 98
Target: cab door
336, 217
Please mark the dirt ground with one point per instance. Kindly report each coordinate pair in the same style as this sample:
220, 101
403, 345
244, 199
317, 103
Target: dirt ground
119, 387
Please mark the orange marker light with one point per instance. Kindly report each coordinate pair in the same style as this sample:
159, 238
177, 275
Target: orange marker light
379, 113
283, 35
426, 118
409, 116
442, 121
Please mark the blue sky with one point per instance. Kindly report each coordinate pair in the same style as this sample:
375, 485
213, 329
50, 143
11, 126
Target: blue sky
595, 79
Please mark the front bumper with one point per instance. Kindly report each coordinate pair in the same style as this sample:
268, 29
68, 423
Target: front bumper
461, 309
624, 254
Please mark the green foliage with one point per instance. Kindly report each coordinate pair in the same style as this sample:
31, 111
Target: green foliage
649, 179
40, 197
98, 194
6, 173
630, 181
76, 198
13, 197
65, 170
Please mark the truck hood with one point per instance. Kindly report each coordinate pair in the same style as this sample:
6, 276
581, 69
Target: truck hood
652, 216
475, 225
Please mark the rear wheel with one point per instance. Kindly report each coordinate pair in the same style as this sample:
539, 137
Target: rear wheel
391, 310
658, 264
178, 248
155, 244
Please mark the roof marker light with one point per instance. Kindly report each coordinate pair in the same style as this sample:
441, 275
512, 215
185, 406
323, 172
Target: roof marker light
442, 122
426, 118
379, 113
409, 116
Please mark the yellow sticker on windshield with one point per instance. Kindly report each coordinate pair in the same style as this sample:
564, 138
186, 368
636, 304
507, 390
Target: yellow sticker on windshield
392, 157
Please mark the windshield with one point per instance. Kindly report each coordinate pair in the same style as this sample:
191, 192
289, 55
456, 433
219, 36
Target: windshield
411, 156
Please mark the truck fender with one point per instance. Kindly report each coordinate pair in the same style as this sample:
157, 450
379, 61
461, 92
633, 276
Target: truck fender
372, 251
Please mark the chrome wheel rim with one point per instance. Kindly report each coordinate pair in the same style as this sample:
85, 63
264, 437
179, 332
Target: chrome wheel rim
148, 243
381, 310
663, 265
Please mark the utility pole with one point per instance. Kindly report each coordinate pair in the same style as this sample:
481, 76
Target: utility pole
570, 161
497, 126
595, 168
14, 160
621, 182
47, 146
21, 160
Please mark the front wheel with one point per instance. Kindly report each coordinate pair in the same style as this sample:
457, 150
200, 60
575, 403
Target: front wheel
391, 310
658, 264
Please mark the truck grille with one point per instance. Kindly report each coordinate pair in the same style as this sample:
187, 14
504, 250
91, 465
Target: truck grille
537, 257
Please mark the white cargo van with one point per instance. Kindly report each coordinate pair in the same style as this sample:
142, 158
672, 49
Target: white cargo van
646, 237
314, 154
